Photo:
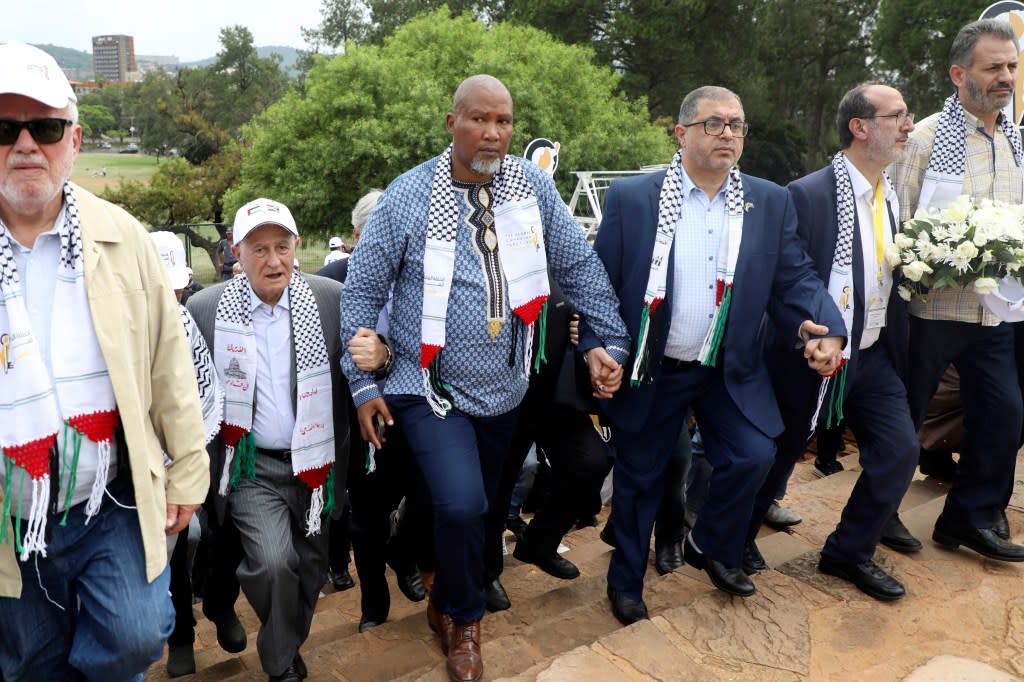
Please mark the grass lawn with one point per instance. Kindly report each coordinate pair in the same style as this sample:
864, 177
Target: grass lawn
97, 170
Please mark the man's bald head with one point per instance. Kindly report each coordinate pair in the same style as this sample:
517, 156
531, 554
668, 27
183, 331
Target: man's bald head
474, 83
480, 124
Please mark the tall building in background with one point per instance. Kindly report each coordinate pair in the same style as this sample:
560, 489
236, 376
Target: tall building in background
113, 57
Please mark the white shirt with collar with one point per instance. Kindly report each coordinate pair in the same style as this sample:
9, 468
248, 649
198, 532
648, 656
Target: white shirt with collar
876, 289
699, 232
274, 419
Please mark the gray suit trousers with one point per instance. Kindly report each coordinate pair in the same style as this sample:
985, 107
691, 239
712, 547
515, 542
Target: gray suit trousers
282, 570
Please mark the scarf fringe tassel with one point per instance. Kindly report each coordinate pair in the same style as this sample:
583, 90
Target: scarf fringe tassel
833, 392
540, 357
437, 393
644, 345
713, 341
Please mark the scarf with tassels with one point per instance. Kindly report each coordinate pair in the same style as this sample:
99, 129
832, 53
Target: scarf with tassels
236, 357
520, 247
944, 178
670, 207
79, 403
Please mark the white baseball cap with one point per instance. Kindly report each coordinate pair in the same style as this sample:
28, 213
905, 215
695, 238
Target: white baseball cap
172, 253
334, 243
27, 70
262, 212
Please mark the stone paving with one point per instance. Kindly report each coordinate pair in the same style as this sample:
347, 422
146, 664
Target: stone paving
963, 617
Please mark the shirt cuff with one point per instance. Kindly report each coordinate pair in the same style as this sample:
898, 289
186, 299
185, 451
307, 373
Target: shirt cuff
363, 391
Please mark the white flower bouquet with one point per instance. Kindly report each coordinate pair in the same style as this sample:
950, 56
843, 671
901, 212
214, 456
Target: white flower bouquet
968, 243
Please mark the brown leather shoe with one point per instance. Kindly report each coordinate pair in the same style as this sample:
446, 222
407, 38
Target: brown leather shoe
465, 664
441, 623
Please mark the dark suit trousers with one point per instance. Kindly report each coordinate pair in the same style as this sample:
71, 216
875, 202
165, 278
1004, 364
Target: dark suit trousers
876, 411
579, 463
283, 569
740, 454
991, 398
460, 458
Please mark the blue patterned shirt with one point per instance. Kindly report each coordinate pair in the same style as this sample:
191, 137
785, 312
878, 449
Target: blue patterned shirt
487, 375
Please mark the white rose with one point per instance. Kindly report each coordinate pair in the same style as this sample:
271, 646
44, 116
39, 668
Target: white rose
958, 210
892, 255
903, 241
985, 285
916, 270
967, 250
903, 292
987, 257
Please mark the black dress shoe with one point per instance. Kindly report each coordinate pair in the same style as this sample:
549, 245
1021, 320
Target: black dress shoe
628, 611
230, 633
289, 675
753, 562
516, 526
896, 536
1001, 525
938, 464
411, 584
668, 557
607, 534
495, 597
731, 580
868, 577
552, 564
587, 522
300, 665
341, 579
367, 624
984, 541
181, 660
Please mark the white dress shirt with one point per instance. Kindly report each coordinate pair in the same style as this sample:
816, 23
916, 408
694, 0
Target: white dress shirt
877, 284
699, 233
274, 418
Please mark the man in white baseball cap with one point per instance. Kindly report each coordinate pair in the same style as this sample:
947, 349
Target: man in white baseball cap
276, 346
336, 252
68, 251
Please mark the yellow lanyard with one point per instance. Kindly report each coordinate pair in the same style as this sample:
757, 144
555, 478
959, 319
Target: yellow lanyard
878, 218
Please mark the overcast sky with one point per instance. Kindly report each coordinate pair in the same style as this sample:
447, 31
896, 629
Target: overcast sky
187, 29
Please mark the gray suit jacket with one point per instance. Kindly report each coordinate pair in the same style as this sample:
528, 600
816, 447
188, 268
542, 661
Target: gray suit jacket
327, 292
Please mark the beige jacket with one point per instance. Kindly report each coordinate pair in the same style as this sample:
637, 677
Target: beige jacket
143, 342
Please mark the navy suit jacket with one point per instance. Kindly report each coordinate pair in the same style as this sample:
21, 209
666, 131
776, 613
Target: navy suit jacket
814, 196
773, 276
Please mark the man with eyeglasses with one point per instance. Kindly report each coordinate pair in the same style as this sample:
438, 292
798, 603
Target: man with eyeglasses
96, 382
698, 254
846, 217
970, 147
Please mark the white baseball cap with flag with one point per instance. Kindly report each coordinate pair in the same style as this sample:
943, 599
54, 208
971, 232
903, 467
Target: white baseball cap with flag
262, 212
28, 71
334, 243
172, 253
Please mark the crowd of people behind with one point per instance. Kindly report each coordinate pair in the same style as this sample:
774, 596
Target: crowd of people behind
243, 441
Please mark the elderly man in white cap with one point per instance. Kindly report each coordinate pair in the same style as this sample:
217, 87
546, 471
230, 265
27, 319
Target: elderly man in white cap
282, 453
336, 250
96, 384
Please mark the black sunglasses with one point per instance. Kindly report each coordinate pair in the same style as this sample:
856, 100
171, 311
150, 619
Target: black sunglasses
42, 130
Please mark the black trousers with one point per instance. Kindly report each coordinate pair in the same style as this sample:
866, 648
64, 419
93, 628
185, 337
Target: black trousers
579, 463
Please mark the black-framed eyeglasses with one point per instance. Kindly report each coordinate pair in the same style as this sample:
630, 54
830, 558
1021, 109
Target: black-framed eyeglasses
900, 117
42, 130
716, 126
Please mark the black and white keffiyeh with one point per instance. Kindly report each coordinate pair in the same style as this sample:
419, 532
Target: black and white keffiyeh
944, 178
670, 207
520, 238
32, 407
236, 358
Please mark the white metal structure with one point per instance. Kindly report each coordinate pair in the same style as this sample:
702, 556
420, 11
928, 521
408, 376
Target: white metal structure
588, 197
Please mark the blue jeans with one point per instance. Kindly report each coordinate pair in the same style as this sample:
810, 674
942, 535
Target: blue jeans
99, 618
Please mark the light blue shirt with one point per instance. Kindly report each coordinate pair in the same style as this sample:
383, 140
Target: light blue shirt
699, 233
37, 268
274, 418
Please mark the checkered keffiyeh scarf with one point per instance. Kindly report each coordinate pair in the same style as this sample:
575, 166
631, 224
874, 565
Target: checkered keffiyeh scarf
520, 251
236, 358
670, 207
211, 394
32, 406
944, 178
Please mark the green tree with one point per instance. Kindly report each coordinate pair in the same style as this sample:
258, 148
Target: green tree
97, 117
342, 21
913, 47
376, 111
